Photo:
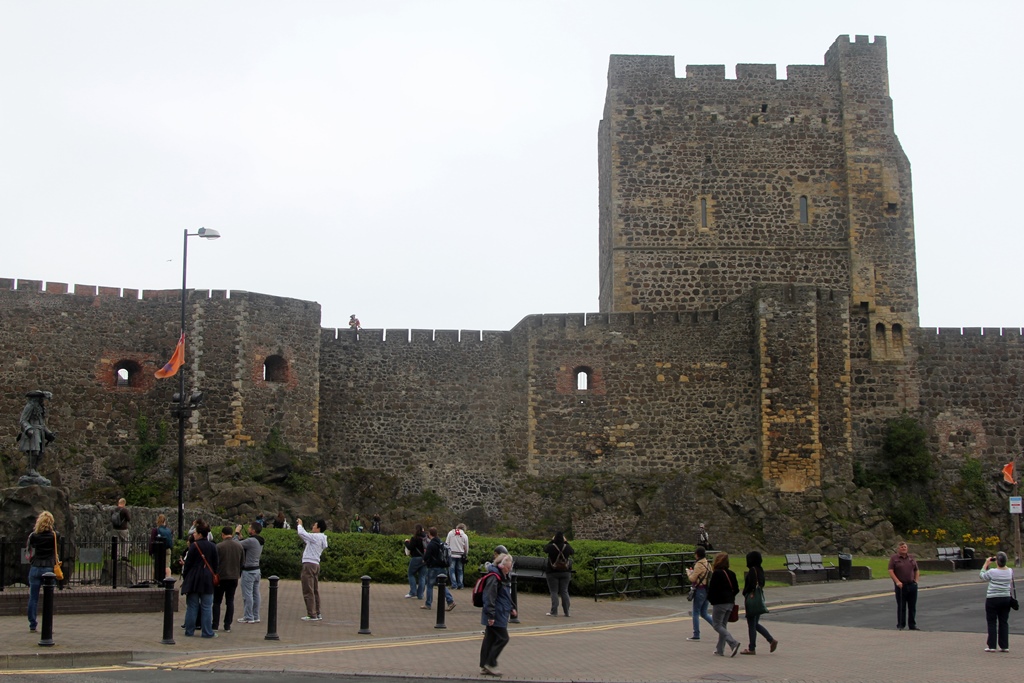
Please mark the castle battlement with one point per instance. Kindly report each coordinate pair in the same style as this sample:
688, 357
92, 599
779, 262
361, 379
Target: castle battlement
410, 337
42, 287
971, 333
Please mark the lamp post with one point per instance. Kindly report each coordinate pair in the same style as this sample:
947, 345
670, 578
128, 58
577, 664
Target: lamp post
182, 411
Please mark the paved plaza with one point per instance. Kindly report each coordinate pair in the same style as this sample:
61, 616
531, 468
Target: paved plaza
610, 640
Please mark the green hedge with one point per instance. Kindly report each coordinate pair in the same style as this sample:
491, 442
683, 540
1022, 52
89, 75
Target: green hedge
350, 556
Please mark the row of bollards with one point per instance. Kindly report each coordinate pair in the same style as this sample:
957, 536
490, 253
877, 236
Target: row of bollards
49, 582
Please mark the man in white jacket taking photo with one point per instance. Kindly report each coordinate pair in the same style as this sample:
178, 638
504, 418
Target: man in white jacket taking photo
316, 543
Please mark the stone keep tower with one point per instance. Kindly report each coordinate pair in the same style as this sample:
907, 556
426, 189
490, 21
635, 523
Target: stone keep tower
711, 188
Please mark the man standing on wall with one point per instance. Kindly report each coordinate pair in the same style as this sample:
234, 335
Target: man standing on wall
316, 543
229, 554
905, 574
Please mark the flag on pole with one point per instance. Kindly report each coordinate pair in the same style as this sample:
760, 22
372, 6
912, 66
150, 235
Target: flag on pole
1008, 474
176, 361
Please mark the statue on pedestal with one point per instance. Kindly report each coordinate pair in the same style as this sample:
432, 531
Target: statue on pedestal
34, 436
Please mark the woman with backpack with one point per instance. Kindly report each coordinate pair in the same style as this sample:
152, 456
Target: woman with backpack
559, 572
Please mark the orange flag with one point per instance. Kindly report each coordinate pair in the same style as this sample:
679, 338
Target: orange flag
1008, 474
176, 361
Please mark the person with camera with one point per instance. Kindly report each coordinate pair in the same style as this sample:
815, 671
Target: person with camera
997, 602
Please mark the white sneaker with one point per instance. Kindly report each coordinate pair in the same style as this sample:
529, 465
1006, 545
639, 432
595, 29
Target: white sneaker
243, 620
990, 649
308, 618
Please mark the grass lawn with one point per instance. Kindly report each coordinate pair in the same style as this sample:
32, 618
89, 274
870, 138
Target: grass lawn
879, 565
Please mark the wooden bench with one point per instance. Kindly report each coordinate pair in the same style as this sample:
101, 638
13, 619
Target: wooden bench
809, 566
954, 555
529, 567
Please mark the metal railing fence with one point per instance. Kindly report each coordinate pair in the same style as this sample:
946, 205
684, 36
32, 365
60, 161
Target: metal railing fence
93, 561
637, 574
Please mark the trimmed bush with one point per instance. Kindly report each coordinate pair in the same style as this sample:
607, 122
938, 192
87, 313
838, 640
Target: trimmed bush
350, 556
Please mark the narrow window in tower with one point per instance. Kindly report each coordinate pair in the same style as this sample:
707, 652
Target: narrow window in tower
582, 378
803, 209
764, 108
897, 337
703, 212
275, 369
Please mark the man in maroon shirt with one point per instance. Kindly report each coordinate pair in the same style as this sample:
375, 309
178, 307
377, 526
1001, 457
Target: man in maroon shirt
904, 572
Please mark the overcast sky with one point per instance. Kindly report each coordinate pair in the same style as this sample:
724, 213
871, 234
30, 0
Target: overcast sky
434, 164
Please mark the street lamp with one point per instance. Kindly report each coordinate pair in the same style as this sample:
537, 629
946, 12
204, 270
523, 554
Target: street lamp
184, 411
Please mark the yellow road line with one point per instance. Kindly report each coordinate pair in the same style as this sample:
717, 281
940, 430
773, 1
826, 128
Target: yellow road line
82, 670
207, 660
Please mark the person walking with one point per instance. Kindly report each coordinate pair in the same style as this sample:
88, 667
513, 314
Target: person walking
722, 590
497, 599
458, 541
559, 572
753, 587
414, 547
252, 547
997, 602
436, 566
316, 544
197, 572
904, 574
699, 577
42, 547
229, 556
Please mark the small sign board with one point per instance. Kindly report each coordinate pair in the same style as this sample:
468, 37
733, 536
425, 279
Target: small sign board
1016, 505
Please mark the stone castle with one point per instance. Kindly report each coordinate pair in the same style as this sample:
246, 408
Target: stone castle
759, 317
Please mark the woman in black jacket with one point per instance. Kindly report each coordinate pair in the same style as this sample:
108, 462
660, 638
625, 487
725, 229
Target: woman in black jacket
559, 572
753, 580
722, 590
42, 544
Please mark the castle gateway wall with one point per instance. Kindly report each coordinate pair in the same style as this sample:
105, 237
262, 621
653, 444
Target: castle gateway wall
97, 348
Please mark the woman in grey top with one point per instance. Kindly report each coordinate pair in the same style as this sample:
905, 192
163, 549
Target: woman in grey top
997, 602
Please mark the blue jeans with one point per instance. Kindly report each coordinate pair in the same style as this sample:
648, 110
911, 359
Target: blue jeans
203, 606
251, 594
456, 573
700, 609
35, 582
753, 628
432, 574
417, 577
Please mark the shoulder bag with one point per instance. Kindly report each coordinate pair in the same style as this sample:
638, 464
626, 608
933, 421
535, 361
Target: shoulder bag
703, 582
216, 579
754, 604
56, 560
735, 614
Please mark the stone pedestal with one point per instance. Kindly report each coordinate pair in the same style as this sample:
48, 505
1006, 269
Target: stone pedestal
19, 507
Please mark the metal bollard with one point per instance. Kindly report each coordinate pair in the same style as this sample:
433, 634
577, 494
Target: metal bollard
272, 611
515, 601
113, 561
3, 565
364, 607
46, 637
168, 611
442, 581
